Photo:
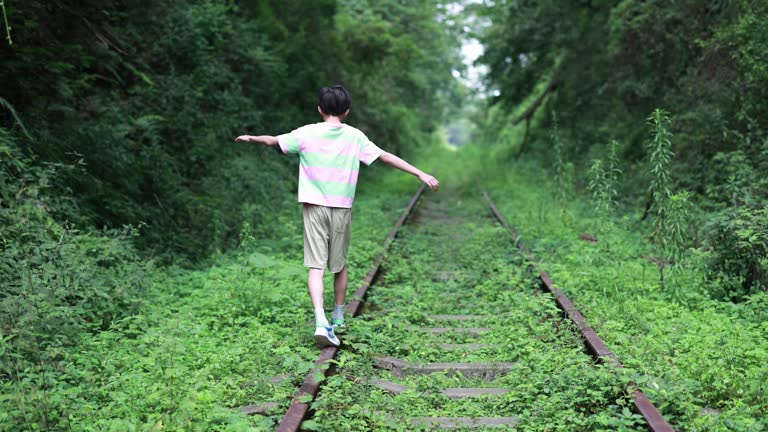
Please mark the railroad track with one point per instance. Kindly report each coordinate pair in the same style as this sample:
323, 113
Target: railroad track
461, 331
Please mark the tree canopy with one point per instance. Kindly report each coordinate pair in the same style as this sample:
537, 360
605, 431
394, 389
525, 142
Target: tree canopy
146, 96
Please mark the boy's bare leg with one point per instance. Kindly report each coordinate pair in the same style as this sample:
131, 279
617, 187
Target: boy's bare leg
316, 287
324, 335
316, 294
340, 282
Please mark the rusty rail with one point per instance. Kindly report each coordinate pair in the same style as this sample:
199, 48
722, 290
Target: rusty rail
309, 389
596, 346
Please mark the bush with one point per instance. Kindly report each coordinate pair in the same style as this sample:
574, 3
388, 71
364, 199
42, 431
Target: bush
740, 254
57, 282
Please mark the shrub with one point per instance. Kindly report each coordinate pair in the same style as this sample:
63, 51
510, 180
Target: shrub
57, 282
740, 254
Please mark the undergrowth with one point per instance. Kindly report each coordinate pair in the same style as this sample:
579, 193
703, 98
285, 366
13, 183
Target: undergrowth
195, 346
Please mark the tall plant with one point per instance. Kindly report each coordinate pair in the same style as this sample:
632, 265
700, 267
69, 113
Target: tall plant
602, 181
612, 170
661, 158
603, 177
563, 169
670, 211
678, 213
599, 186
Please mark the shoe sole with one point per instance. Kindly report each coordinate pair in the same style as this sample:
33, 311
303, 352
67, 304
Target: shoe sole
323, 341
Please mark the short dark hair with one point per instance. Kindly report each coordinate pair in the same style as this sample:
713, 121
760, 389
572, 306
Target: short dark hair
334, 100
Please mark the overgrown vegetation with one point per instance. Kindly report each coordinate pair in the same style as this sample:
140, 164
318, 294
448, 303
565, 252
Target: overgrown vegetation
96, 340
554, 384
149, 94
58, 283
698, 358
116, 155
688, 205
602, 68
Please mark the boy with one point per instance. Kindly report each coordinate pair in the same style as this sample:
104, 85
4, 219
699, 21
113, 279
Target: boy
330, 154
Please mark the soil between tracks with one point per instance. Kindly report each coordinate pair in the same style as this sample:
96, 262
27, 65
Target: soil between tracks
517, 364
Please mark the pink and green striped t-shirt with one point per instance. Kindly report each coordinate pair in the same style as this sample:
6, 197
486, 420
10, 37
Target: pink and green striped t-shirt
330, 156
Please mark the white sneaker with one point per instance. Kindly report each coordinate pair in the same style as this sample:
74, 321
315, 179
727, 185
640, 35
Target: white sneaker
325, 337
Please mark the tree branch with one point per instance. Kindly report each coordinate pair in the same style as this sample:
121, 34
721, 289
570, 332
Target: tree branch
553, 83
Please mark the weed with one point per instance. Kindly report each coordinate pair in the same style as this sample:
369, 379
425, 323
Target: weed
671, 211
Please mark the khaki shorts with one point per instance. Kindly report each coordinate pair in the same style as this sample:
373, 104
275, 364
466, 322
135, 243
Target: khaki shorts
327, 231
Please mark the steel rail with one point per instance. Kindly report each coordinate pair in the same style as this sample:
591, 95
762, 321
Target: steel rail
596, 346
310, 387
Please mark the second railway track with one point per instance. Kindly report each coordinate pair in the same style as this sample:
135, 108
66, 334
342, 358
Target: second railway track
456, 333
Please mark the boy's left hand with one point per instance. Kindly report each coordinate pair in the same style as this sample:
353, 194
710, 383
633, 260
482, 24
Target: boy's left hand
263, 139
430, 181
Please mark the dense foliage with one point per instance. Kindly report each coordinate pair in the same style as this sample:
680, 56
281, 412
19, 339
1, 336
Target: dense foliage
149, 94
117, 121
604, 66
187, 349
57, 282
650, 118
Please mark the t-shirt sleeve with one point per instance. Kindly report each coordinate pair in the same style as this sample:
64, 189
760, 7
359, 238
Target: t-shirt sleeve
369, 152
290, 142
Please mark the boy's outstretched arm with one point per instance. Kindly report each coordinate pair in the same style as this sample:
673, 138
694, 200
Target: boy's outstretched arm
263, 139
392, 160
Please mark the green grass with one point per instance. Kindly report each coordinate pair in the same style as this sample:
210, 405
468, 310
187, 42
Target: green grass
207, 341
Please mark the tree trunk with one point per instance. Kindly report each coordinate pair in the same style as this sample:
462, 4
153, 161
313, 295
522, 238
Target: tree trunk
661, 276
647, 210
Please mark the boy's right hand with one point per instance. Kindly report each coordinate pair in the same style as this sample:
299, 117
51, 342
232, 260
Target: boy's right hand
430, 181
243, 138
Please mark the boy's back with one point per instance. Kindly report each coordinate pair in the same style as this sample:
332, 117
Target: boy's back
330, 156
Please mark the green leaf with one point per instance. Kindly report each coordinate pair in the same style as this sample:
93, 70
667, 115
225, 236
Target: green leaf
310, 425
318, 377
305, 398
